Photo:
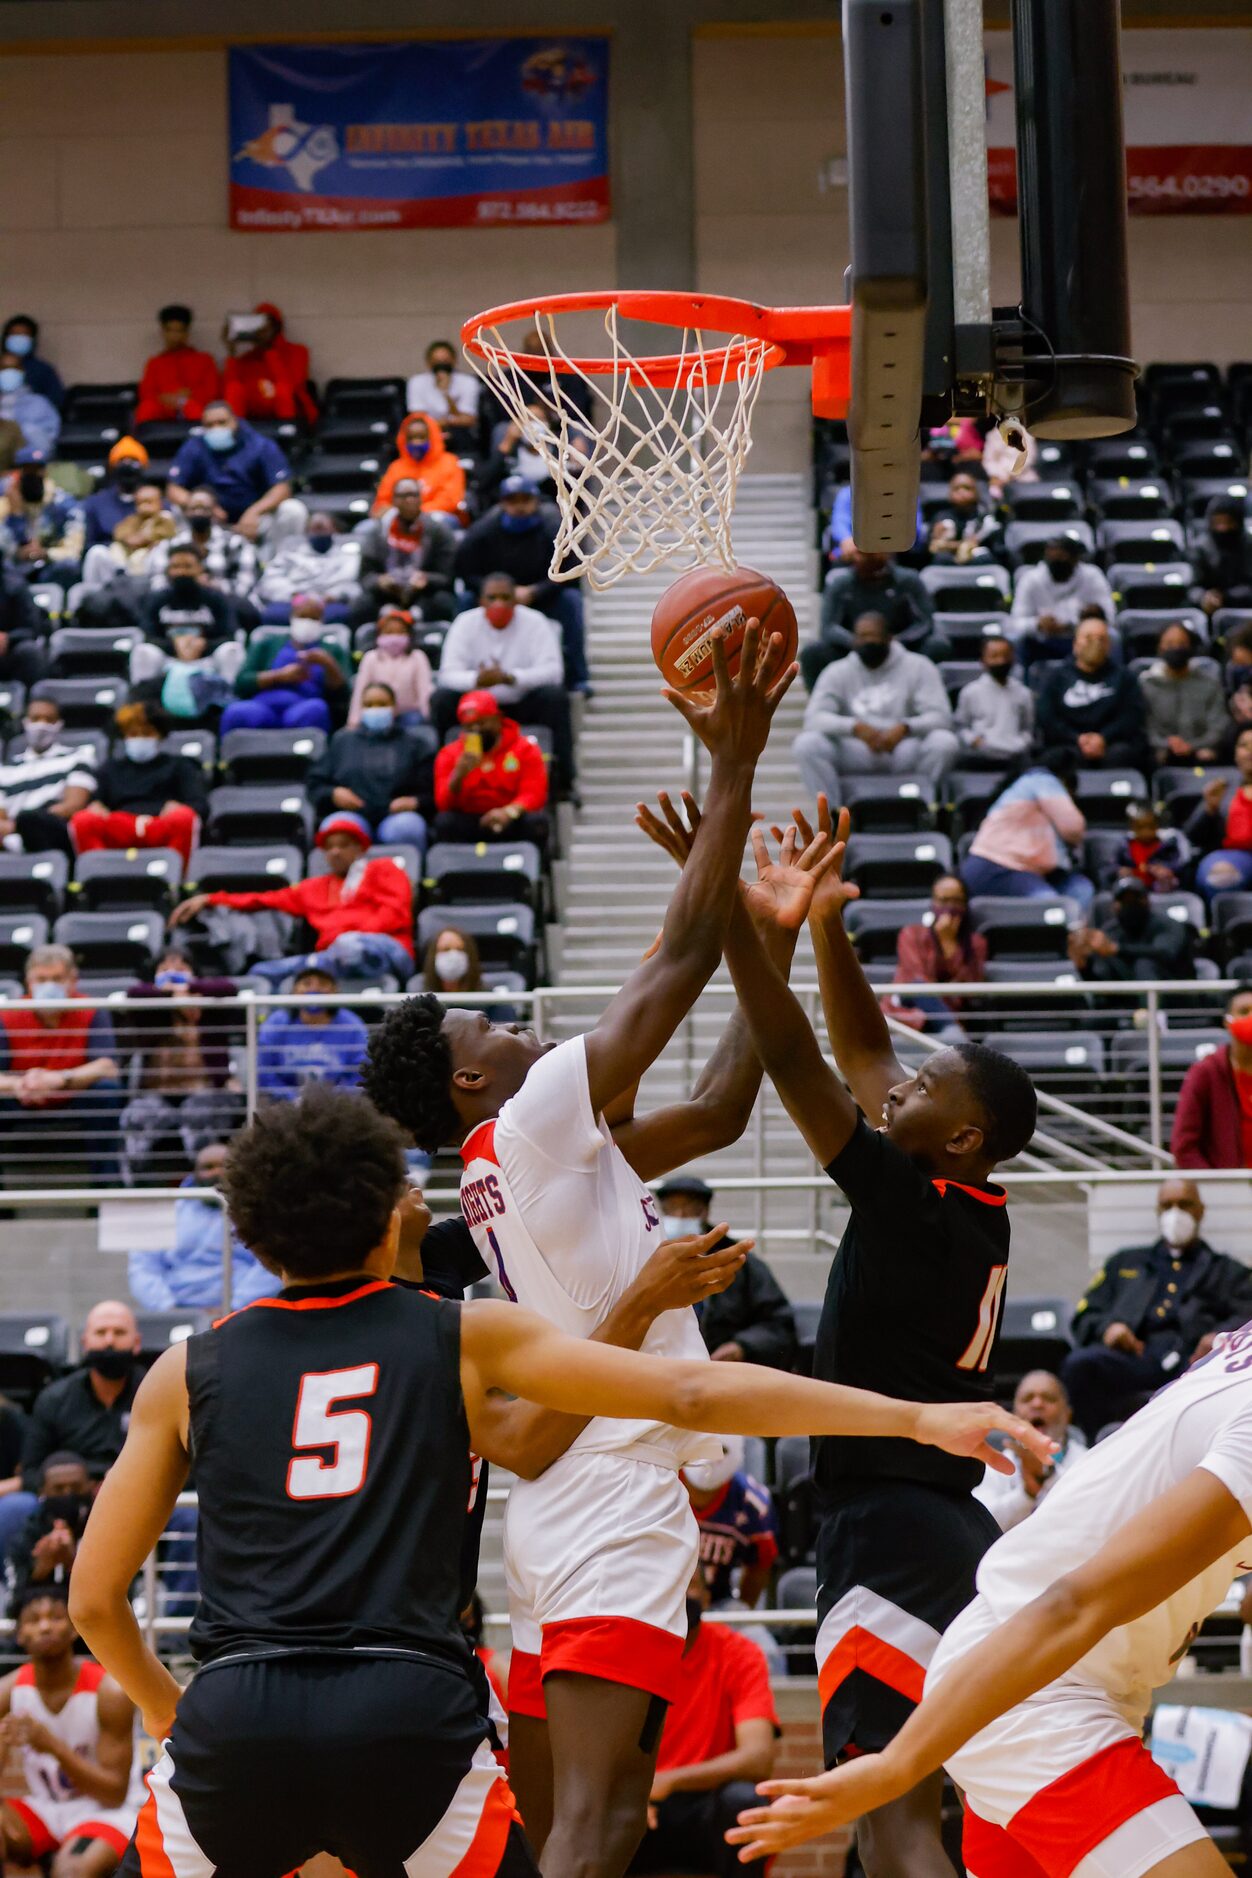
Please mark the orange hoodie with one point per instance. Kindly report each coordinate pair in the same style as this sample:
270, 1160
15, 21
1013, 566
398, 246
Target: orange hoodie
439, 472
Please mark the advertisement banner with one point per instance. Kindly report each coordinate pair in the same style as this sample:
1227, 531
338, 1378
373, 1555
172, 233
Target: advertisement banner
1185, 98
458, 133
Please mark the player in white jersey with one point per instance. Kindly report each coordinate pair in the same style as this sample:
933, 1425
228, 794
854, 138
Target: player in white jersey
1037, 1695
76, 1732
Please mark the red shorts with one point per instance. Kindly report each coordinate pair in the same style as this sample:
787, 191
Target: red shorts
52, 1823
617, 1649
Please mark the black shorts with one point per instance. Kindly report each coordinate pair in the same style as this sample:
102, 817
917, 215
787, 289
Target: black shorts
895, 1563
381, 1760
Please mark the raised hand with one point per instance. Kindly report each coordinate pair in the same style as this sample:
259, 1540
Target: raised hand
683, 1272
674, 834
831, 892
734, 723
805, 1809
783, 889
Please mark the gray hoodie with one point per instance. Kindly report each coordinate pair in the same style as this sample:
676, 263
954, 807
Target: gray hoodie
995, 717
906, 689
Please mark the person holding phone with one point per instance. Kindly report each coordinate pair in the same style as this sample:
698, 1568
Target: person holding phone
491, 783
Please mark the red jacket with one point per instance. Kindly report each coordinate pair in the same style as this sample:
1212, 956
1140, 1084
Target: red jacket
513, 772
32, 1045
184, 371
382, 902
1206, 1131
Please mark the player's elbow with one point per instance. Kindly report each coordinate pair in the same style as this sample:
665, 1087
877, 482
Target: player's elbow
88, 1602
1068, 1612
690, 1391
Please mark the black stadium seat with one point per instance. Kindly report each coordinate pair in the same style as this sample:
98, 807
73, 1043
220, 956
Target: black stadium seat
1026, 541
84, 703
161, 1330
130, 941
1069, 1064
19, 934
967, 589
1158, 540
1232, 923
467, 871
270, 756
33, 883
1044, 502
1021, 929
1180, 791
260, 812
874, 926
1034, 1334
1103, 795
100, 404
34, 1349
93, 652
364, 398
889, 804
244, 870
144, 877
897, 867
1157, 587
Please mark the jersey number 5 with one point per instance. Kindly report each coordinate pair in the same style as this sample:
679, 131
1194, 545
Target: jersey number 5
319, 1424
977, 1353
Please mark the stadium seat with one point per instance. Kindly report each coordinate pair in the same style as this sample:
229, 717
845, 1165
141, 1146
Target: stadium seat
1026, 541
100, 404
111, 985
796, 1589
1159, 587
965, 632
1130, 1054
90, 652
1165, 380
84, 703
364, 436
1141, 541
1021, 929
12, 699
792, 1456
243, 870
475, 871
1187, 908
1142, 630
1067, 1063
1198, 491
1207, 458
269, 756
967, 589
1103, 795
889, 804
1178, 792
1044, 502
1118, 460
19, 933
956, 673
807, 1314
401, 852
199, 745
259, 812
34, 1350
1034, 1334
874, 926
161, 1330
343, 474
33, 883
147, 877
1232, 923
505, 933
1099, 854
969, 792
129, 941
163, 436
897, 867
358, 398
1198, 423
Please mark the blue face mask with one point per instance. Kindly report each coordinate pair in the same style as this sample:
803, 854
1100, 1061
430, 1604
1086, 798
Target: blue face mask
21, 344
418, 450
169, 979
519, 524
141, 749
11, 379
320, 544
218, 436
377, 718
47, 989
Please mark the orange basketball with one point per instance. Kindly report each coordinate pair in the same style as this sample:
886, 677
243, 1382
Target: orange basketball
691, 611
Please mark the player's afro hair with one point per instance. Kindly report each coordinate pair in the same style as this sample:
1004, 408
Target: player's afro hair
311, 1185
1006, 1096
407, 1073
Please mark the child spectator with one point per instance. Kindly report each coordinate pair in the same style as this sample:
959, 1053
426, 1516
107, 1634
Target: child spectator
316, 1043
1223, 835
188, 1277
394, 661
738, 1526
1154, 858
178, 381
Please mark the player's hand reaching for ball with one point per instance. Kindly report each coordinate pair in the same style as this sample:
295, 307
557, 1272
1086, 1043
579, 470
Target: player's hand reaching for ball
831, 892
682, 1272
733, 724
962, 1428
783, 889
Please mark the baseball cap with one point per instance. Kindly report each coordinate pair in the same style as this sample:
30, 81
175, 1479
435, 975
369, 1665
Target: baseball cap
344, 822
128, 449
517, 486
685, 1187
475, 705
1131, 885
321, 962
29, 455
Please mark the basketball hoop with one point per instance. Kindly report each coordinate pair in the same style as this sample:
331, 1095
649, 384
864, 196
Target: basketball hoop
651, 481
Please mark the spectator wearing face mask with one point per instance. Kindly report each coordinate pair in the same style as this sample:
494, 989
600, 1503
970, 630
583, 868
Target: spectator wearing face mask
1041, 1400
490, 782
881, 711
1153, 856
451, 962
36, 417
1187, 718
266, 374
146, 797
188, 1275
59, 1067
320, 563
1152, 1310
1213, 1119
44, 1550
403, 668
1222, 561
1091, 710
995, 713
289, 680
752, 1320
1222, 831
113, 503
447, 393
423, 457
871, 583
178, 381
942, 950
44, 785
517, 538
1134, 942
185, 599
136, 537
407, 559
228, 561
41, 526
377, 769
314, 1043
513, 652
1048, 599
20, 336
182, 1029
738, 1527
248, 474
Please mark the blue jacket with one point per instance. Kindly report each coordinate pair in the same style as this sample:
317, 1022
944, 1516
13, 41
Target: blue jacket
239, 476
291, 1053
189, 1276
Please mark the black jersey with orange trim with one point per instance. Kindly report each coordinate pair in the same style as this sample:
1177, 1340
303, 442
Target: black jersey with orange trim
912, 1307
331, 1451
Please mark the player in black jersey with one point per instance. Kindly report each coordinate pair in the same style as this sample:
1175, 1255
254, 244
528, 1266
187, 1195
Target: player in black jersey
331, 1428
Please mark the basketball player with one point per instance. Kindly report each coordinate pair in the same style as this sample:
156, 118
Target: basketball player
912, 1308
1037, 1695
76, 1731
331, 1428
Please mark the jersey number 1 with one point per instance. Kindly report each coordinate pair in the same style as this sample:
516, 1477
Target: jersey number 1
977, 1353
346, 1432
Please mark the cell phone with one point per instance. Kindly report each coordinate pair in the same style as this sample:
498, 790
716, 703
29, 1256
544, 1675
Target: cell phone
245, 325
474, 742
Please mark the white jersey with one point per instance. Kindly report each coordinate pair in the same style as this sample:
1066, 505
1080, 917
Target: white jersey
77, 1724
566, 1225
1204, 1419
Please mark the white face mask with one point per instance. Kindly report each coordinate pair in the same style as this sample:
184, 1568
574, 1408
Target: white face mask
1178, 1227
673, 1226
708, 1476
306, 632
41, 735
451, 967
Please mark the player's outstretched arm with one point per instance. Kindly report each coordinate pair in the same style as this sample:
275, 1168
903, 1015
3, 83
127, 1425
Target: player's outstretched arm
657, 996
1170, 1542
131, 1512
504, 1347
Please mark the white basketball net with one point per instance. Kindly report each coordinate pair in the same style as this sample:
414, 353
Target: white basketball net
650, 481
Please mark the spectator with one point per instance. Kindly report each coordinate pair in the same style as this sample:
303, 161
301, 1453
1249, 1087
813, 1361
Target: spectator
1154, 858
451, 962
187, 678
957, 441
44, 1550
401, 667
41, 526
517, 537
1222, 560
406, 558
59, 1064
1152, 1310
1000, 459
881, 711
188, 1277
513, 652
1223, 835
995, 714
228, 561
1091, 710
289, 680
1213, 1120
134, 539
377, 769
446, 393
946, 951
44, 785
11, 441
112, 504
423, 457
752, 1320
519, 449
1187, 719
965, 530
321, 563
147, 797
181, 1027
1048, 598
1041, 1400
315, 1043
837, 542
738, 1527
718, 1741
871, 583
1020, 848
1135, 942
177, 381
20, 336
247, 473
22, 655
491, 781
36, 417
266, 375
361, 911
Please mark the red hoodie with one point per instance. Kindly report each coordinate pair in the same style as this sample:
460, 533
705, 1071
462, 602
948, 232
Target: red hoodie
273, 383
382, 902
1208, 1129
439, 471
513, 772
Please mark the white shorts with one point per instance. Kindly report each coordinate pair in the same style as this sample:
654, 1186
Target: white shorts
51, 1823
1061, 1786
598, 1554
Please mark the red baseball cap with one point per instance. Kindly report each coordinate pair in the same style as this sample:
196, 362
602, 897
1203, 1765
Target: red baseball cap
476, 705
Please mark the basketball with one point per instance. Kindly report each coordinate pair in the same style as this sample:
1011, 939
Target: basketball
688, 614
